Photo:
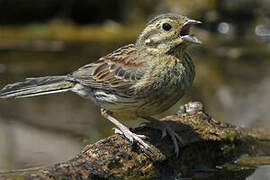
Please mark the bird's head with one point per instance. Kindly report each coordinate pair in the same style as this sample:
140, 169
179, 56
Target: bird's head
166, 32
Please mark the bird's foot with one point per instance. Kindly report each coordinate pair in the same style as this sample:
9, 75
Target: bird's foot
167, 130
132, 136
122, 129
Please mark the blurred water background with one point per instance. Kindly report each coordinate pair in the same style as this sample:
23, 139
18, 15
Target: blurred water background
48, 37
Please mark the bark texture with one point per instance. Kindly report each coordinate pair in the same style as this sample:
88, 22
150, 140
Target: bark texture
211, 149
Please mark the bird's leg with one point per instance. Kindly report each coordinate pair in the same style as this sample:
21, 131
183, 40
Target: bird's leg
124, 130
166, 130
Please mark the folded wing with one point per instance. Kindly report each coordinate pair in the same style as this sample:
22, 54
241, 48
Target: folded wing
117, 71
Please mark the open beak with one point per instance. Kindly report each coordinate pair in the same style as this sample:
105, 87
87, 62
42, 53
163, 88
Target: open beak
184, 33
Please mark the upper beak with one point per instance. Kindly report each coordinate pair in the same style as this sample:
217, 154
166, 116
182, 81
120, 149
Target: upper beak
191, 21
185, 31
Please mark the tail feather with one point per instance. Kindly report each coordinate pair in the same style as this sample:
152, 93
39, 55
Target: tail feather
37, 86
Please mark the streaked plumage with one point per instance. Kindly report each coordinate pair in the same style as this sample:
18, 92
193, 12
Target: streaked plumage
136, 80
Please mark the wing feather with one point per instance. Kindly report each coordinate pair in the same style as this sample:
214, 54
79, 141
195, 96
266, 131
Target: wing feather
116, 71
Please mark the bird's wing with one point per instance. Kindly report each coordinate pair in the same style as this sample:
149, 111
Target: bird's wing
116, 71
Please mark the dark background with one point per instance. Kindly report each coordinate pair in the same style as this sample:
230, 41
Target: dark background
55, 37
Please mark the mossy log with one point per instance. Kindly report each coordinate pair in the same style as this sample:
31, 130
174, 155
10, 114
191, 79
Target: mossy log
210, 149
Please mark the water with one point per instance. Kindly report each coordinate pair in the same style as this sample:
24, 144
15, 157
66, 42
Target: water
232, 81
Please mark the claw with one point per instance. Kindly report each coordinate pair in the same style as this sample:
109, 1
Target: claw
117, 131
142, 136
164, 133
179, 138
174, 138
125, 131
143, 124
167, 130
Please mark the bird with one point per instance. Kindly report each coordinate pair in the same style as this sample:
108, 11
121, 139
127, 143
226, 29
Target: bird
137, 80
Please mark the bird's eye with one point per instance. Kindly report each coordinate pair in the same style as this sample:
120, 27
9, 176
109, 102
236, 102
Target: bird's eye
166, 26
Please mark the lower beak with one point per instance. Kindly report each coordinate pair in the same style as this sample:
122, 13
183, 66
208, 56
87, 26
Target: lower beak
191, 39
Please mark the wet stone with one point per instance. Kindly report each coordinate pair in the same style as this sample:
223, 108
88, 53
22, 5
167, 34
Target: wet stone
193, 107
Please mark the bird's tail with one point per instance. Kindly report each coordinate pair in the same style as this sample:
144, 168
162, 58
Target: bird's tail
36, 87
